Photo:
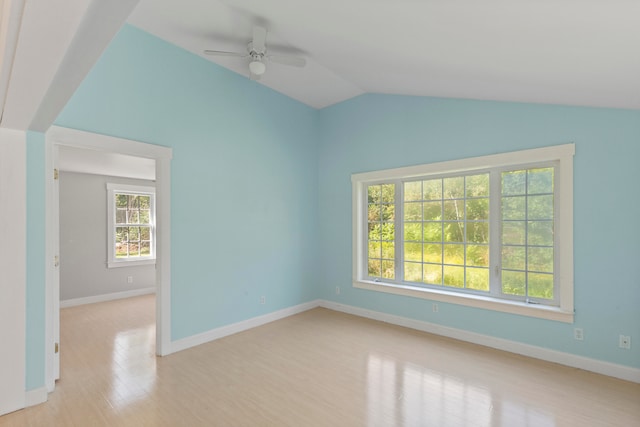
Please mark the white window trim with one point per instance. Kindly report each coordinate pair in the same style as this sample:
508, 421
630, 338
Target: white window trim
563, 154
112, 261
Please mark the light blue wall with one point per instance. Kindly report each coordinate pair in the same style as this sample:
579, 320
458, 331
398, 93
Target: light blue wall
244, 176
35, 295
375, 132
261, 193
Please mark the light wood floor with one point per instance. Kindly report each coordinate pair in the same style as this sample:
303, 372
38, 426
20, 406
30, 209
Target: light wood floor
318, 368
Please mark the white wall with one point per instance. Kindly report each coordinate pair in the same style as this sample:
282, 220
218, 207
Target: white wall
12, 269
83, 240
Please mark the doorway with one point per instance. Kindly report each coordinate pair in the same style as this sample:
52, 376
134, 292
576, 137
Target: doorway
69, 139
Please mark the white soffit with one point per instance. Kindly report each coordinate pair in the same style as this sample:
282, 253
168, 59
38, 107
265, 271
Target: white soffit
10, 18
42, 43
57, 43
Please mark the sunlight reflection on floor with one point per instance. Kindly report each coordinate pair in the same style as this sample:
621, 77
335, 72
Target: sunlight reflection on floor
422, 397
133, 365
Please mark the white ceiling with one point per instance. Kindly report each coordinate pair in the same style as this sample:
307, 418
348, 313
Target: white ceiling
574, 52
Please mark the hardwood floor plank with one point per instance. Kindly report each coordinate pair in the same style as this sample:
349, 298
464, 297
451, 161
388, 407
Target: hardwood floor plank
317, 368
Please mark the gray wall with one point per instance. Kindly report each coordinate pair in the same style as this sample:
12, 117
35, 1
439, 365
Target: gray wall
83, 240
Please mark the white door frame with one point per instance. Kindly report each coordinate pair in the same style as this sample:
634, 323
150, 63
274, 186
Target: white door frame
58, 136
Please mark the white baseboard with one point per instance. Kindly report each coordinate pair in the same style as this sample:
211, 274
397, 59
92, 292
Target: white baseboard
36, 396
606, 368
234, 328
598, 366
106, 297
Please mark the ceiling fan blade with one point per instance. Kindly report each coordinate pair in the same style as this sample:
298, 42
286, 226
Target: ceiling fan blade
294, 61
259, 39
223, 53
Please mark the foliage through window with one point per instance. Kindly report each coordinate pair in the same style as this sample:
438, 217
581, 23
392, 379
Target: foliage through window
131, 224
446, 232
490, 230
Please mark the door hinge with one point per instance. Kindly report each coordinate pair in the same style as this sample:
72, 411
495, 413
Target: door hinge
56, 174
56, 348
56, 261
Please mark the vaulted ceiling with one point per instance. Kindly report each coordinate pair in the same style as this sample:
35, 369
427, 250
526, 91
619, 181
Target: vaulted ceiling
573, 52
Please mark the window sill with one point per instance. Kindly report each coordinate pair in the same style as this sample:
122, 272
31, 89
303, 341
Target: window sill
477, 301
128, 263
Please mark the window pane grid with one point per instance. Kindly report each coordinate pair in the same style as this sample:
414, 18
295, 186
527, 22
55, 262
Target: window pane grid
509, 234
381, 231
132, 225
527, 233
454, 217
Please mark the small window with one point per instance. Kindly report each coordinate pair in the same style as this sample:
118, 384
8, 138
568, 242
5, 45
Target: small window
131, 228
492, 232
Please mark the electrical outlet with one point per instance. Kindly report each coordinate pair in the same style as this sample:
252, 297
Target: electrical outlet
435, 308
625, 342
129, 279
263, 299
337, 290
578, 334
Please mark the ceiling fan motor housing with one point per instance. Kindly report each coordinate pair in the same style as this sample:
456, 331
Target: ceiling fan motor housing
253, 51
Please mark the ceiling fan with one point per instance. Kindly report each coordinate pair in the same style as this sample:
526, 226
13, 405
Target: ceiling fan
257, 52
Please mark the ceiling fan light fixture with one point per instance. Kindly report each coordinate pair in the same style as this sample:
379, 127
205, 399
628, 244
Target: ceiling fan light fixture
257, 54
257, 67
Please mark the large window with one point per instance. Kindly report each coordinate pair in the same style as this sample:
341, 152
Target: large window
493, 232
446, 231
131, 228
